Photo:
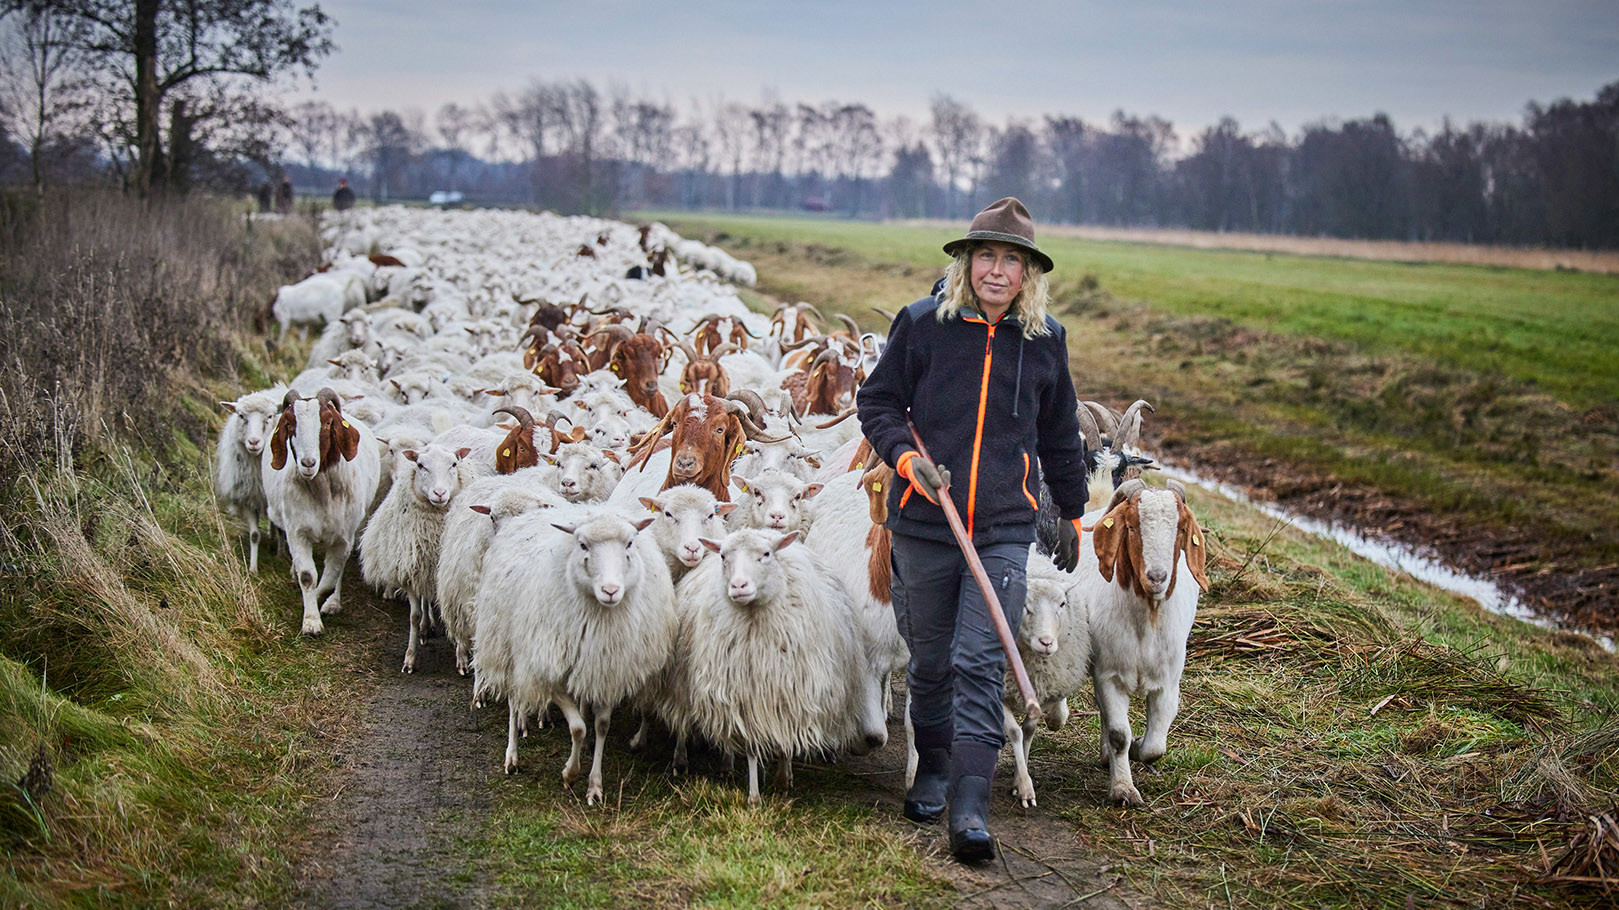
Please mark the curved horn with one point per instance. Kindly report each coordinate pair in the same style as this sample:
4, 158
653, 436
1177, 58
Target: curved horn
826, 355
328, 397
534, 331
812, 309
525, 420
745, 330
1129, 431
1126, 490
1104, 417
701, 323
691, 353
751, 429
854, 327
843, 415
1178, 488
726, 348
289, 398
813, 339
619, 334
755, 404
885, 314
1088, 429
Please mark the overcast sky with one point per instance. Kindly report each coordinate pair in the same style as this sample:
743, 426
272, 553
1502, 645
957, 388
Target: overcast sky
1291, 61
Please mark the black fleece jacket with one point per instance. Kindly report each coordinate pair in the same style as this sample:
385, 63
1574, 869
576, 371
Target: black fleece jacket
995, 434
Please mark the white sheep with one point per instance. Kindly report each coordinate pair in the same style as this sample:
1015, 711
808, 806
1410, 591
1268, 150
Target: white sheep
582, 616
773, 501
770, 660
469, 525
318, 300
399, 551
584, 473
1055, 642
238, 482
1141, 571
318, 482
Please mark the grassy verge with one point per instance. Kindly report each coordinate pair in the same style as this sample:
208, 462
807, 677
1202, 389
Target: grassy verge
160, 713
1464, 404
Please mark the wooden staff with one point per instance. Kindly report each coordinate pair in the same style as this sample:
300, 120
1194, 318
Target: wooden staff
1003, 630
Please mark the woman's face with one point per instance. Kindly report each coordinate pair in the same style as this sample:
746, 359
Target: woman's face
997, 274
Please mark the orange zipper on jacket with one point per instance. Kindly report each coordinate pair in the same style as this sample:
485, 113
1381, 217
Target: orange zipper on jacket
1026, 495
983, 399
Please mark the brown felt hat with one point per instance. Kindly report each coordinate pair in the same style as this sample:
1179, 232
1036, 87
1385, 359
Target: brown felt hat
1007, 221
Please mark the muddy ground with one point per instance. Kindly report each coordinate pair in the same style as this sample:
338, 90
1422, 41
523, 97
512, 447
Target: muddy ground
419, 775
1555, 584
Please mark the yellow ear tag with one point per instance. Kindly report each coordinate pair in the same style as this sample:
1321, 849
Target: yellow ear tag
506, 453
876, 486
743, 487
1107, 522
615, 368
346, 425
739, 448
1197, 541
858, 465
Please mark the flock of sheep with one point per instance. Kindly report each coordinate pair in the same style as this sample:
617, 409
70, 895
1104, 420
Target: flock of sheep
569, 443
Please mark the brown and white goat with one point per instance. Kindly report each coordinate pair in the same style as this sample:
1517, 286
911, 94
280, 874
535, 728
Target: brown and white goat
707, 433
637, 358
703, 372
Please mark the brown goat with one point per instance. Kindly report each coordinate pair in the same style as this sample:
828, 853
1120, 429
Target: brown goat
704, 373
795, 313
517, 450
827, 387
637, 358
706, 333
1119, 548
879, 540
558, 366
707, 435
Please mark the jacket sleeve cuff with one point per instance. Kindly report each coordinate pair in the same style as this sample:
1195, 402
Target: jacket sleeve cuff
902, 465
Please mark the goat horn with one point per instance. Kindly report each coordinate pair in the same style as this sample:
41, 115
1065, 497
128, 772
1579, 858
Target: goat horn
1104, 418
1129, 431
813, 339
885, 314
289, 398
619, 333
534, 331
1088, 429
1178, 489
843, 415
826, 355
747, 331
525, 420
812, 309
749, 428
707, 318
328, 397
854, 327
722, 350
755, 404
1126, 490
691, 353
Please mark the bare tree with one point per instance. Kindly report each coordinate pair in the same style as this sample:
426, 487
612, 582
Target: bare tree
310, 125
957, 135
454, 124
731, 136
42, 91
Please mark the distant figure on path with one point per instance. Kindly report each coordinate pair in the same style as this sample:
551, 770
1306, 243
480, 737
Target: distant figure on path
343, 197
283, 196
264, 196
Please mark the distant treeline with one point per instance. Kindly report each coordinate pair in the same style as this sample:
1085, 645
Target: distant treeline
1552, 179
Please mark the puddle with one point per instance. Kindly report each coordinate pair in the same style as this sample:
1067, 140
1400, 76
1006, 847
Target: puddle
1385, 552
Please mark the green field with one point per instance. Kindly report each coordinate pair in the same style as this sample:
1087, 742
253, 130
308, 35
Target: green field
1462, 404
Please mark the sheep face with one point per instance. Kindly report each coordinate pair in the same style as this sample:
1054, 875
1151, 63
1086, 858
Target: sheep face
682, 517
605, 563
776, 501
1045, 610
610, 432
357, 328
584, 472
748, 565
436, 478
253, 426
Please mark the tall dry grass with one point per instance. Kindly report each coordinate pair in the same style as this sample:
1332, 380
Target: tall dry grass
132, 639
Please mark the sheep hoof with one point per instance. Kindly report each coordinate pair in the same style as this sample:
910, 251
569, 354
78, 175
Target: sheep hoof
511, 763
1024, 792
593, 795
409, 667
331, 606
313, 627
1126, 795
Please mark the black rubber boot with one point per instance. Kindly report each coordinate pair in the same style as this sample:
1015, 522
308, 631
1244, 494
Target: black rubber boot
924, 802
972, 769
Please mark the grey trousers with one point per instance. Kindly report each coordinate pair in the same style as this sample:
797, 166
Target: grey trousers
956, 674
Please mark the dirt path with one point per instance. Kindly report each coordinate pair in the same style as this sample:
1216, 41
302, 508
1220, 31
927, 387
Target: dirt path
420, 776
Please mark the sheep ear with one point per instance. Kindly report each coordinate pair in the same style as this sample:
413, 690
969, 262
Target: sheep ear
642, 524
812, 489
480, 509
725, 508
410, 454
786, 539
566, 529
335, 363
712, 545
611, 455
463, 452
650, 503
229, 406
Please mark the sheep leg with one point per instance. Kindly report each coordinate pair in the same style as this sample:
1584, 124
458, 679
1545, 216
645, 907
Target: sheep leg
910, 745
1162, 706
1116, 742
680, 762
576, 728
753, 779
415, 634
253, 542
784, 772
604, 717
513, 721
462, 663
303, 568
638, 741
1056, 714
1022, 783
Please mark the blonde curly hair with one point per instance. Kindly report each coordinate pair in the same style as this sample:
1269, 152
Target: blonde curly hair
1029, 306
